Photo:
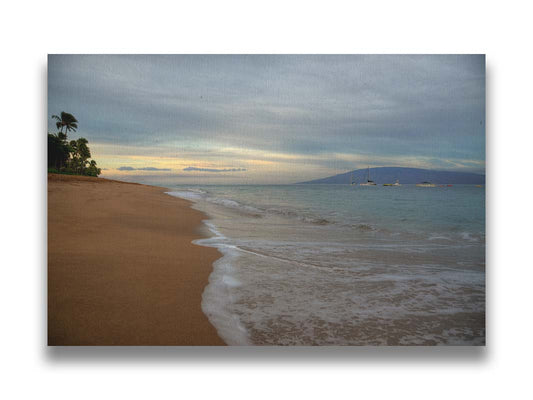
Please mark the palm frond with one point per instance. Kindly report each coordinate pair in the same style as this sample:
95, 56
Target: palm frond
68, 118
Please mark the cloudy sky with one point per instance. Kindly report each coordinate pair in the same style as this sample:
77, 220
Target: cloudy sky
271, 119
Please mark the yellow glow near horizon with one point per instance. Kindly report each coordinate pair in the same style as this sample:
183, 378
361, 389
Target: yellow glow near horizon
259, 165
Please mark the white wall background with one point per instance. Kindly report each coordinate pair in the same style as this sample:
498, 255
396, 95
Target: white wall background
31, 29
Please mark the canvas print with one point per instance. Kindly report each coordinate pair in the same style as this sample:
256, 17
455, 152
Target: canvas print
266, 200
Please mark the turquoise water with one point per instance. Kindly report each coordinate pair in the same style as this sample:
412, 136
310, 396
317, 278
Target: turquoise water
345, 265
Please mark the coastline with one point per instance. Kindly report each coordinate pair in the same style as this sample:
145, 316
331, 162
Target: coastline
122, 268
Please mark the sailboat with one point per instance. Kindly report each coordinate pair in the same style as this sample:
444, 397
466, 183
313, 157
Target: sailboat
368, 181
397, 183
426, 184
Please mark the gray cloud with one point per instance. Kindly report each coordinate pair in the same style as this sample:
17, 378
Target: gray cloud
214, 169
125, 168
430, 106
153, 169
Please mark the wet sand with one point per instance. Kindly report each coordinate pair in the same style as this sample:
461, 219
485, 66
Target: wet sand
121, 266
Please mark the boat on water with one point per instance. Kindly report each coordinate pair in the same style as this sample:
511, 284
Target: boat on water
426, 184
368, 181
352, 182
397, 183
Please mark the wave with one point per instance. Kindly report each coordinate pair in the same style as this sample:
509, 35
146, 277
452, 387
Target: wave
217, 298
364, 227
308, 217
281, 281
253, 211
187, 195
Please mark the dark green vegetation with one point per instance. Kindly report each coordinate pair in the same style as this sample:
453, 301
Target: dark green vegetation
72, 157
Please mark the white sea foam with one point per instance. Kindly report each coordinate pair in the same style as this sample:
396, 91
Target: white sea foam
468, 236
437, 237
290, 278
217, 297
188, 195
201, 195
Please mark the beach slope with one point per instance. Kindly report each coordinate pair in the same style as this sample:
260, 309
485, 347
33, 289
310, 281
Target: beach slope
121, 266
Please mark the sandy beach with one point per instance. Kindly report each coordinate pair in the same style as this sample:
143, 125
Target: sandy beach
121, 266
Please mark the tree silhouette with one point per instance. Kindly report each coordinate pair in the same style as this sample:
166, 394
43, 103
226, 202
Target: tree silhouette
80, 153
58, 152
73, 157
67, 121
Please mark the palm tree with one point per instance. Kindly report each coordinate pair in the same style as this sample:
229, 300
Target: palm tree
80, 154
67, 121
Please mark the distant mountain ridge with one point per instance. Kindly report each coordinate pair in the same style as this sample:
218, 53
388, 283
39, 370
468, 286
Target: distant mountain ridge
382, 175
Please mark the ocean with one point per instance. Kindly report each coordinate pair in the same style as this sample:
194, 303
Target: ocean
344, 265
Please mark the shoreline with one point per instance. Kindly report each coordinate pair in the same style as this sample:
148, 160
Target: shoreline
122, 265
